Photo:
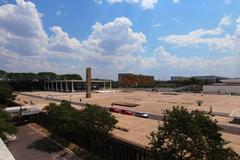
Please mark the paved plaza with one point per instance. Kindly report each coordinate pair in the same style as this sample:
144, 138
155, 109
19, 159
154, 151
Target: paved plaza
151, 102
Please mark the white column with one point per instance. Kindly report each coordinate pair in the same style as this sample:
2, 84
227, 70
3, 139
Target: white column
110, 85
66, 87
52, 86
61, 86
73, 87
48, 88
104, 85
56, 85
45, 86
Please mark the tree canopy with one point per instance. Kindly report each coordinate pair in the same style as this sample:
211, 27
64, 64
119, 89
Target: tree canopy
66, 121
5, 92
187, 135
70, 77
47, 76
194, 80
6, 126
33, 81
2, 73
41, 76
21, 76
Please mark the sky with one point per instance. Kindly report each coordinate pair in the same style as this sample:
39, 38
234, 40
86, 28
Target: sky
163, 38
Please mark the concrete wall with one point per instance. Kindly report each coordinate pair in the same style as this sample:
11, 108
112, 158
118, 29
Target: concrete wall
221, 89
88, 82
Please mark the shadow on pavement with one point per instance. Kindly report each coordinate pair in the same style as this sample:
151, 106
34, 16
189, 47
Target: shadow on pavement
45, 145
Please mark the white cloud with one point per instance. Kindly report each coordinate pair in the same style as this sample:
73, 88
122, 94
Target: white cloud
148, 4
226, 21
116, 37
199, 65
193, 37
21, 28
237, 32
145, 4
110, 48
24, 45
216, 39
60, 41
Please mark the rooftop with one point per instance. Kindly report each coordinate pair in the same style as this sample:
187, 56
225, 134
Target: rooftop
4, 152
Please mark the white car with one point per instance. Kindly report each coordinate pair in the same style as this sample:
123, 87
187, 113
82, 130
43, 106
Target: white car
141, 114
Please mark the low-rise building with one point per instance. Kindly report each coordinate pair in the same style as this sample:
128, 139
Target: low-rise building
210, 77
228, 86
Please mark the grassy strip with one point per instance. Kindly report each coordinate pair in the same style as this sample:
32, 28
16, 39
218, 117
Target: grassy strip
80, 152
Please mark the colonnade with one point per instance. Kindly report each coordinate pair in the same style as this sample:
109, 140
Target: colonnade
70, 85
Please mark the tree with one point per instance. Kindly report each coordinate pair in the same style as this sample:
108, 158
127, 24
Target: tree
47, 76
2, 73
59, 117
5, 93
21, 76
6, 126
70, 77
97, 120
188, 136
68, 122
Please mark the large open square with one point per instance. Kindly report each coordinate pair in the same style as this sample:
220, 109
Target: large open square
153, 102
150, 102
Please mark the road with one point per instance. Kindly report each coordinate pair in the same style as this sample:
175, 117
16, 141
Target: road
225, 127
33, 145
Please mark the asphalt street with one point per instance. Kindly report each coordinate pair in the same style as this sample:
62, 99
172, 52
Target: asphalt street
32, 145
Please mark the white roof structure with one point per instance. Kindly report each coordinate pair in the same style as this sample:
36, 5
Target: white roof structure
4, 152
26, 110
93, 80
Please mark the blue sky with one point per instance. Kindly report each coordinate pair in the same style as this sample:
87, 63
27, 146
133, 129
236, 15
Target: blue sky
159, 37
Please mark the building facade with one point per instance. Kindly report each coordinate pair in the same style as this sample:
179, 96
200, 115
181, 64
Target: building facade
229, 86
211, 78
133, 80
75, 85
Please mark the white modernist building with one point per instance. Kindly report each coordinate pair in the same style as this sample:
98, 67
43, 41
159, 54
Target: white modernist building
229, 86
75, 85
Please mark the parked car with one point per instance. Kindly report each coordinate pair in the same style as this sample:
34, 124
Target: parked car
141, 114
127, 112
116, 110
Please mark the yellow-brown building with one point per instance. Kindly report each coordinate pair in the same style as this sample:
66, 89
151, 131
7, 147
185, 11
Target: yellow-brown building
133, 80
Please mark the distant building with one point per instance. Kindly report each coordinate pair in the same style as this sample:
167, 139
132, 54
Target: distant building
228, 86
129, 79
178, 78
211, 78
